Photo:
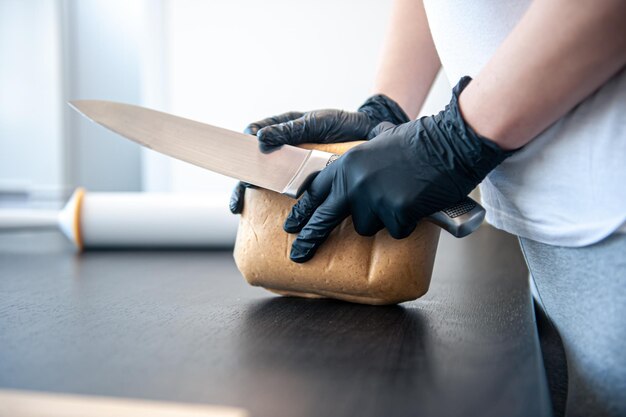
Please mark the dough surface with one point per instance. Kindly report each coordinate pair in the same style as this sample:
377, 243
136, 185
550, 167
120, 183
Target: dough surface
350, 267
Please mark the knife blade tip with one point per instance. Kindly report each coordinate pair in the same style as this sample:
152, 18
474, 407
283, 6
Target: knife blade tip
75, 104
86, 108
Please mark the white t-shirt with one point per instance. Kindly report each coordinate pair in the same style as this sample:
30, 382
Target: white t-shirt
568, 186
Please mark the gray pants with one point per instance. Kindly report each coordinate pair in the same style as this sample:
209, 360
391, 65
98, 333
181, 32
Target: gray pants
580, 295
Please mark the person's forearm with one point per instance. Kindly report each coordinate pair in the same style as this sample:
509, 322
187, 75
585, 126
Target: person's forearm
559, 53
409, 61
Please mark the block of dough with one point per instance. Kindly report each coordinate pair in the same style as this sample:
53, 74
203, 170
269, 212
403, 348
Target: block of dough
350, 267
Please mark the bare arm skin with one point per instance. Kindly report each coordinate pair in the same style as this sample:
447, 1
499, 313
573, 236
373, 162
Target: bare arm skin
559, 53
409, 61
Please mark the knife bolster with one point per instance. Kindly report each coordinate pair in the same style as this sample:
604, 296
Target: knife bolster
316, 162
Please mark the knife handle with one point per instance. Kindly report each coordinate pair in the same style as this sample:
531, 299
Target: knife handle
460, 219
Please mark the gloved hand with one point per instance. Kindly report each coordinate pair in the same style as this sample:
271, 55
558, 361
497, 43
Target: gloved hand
405, 173
320, 126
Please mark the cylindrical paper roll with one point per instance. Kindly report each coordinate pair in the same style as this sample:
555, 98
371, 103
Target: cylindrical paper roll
147, 220
155, 220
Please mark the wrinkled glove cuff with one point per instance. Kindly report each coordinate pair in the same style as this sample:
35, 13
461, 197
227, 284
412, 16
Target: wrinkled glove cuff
484, 152
461, 154
381, 108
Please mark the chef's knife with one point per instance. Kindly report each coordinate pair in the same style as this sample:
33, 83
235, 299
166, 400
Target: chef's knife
287, 170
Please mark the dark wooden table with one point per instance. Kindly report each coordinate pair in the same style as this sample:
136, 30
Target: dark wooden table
184, 326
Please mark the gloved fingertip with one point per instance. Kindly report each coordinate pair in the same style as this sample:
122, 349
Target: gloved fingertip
264, 135
251, 130
275, 135
267, 140
235, 205
291, 226
265, 148
300, 255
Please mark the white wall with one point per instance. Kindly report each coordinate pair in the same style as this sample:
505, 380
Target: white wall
230, 63
31, 157
102, 60
52, 51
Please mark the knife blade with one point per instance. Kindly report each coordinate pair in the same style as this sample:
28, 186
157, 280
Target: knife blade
287, 170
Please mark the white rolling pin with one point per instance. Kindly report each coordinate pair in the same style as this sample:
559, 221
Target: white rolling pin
147, 220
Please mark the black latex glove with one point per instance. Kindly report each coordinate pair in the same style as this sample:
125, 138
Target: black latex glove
328, 126
405, 173
236, 197
320, 126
